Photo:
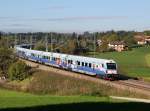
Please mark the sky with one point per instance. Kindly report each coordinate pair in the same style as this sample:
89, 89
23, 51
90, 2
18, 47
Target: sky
74, 15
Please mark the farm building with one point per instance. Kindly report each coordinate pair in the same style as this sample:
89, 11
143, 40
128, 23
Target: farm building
118, 45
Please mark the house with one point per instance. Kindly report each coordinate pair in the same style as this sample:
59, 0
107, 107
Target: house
118, 46
142, 39
99, 42
147, 40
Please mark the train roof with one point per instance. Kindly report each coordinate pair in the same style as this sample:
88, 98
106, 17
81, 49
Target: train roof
80, 58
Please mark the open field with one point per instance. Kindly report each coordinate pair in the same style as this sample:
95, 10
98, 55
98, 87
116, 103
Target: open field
11, 100
133, 63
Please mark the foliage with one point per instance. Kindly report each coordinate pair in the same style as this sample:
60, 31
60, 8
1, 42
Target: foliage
6, 58
18, 71
147, 32
40, 46
104, 46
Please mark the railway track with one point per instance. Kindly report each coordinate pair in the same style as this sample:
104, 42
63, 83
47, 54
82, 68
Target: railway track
135, 84
132, 85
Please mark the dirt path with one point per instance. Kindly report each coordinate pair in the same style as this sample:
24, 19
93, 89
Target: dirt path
131, 99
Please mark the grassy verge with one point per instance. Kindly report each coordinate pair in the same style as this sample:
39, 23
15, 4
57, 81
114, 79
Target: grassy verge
42, 83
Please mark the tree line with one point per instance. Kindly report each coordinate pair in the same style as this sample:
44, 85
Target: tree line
72, 43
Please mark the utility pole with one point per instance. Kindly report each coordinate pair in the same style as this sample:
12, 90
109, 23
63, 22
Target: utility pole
51, 43
94, 44
30, 42
15, 40
46, 42
78, 40
20, 39
7, 35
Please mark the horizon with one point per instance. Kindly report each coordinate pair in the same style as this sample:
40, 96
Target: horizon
73, 16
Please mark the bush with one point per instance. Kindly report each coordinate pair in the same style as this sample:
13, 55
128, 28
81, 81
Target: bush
18, 71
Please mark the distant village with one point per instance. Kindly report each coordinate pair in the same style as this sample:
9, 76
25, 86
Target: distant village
119, 46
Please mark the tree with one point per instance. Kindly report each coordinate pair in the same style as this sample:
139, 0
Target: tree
104, 46
113, 37
40, 46
70, 47
18, 71
6, 57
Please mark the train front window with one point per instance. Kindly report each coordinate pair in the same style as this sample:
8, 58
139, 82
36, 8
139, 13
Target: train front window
111, 66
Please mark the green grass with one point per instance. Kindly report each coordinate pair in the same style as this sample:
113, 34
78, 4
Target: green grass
132, 63
16, 101
10, 99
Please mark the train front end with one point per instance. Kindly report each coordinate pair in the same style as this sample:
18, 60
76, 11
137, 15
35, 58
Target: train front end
111, 71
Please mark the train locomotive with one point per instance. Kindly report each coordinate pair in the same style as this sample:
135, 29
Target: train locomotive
101, 68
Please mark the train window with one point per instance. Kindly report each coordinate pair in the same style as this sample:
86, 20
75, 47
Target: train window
68, 61
86, 64
102, 65
82, 63
111, 66
71, 62
53, 58
49, 58
33, 54
90, 65
97, 66
78, 63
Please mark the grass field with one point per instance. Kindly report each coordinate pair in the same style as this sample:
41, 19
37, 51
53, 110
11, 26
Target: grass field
132, 63
11, 100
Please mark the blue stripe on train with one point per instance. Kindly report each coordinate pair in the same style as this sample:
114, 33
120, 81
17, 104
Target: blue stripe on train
79, 68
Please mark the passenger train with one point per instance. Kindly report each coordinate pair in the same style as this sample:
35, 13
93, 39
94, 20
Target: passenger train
101, 68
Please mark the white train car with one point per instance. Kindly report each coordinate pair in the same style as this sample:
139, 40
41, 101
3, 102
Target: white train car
103, 68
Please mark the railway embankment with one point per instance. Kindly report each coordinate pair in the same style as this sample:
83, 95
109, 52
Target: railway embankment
132, 86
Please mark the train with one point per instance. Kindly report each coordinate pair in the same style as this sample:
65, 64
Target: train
100, 68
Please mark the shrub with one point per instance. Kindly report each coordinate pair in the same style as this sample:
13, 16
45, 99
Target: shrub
18, 71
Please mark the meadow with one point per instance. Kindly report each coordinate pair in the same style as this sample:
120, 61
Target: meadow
10, 99
18, 101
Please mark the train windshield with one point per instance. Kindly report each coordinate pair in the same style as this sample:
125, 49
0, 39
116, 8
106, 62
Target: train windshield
111, 66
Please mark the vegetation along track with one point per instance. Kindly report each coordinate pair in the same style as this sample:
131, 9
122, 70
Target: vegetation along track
131, 85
